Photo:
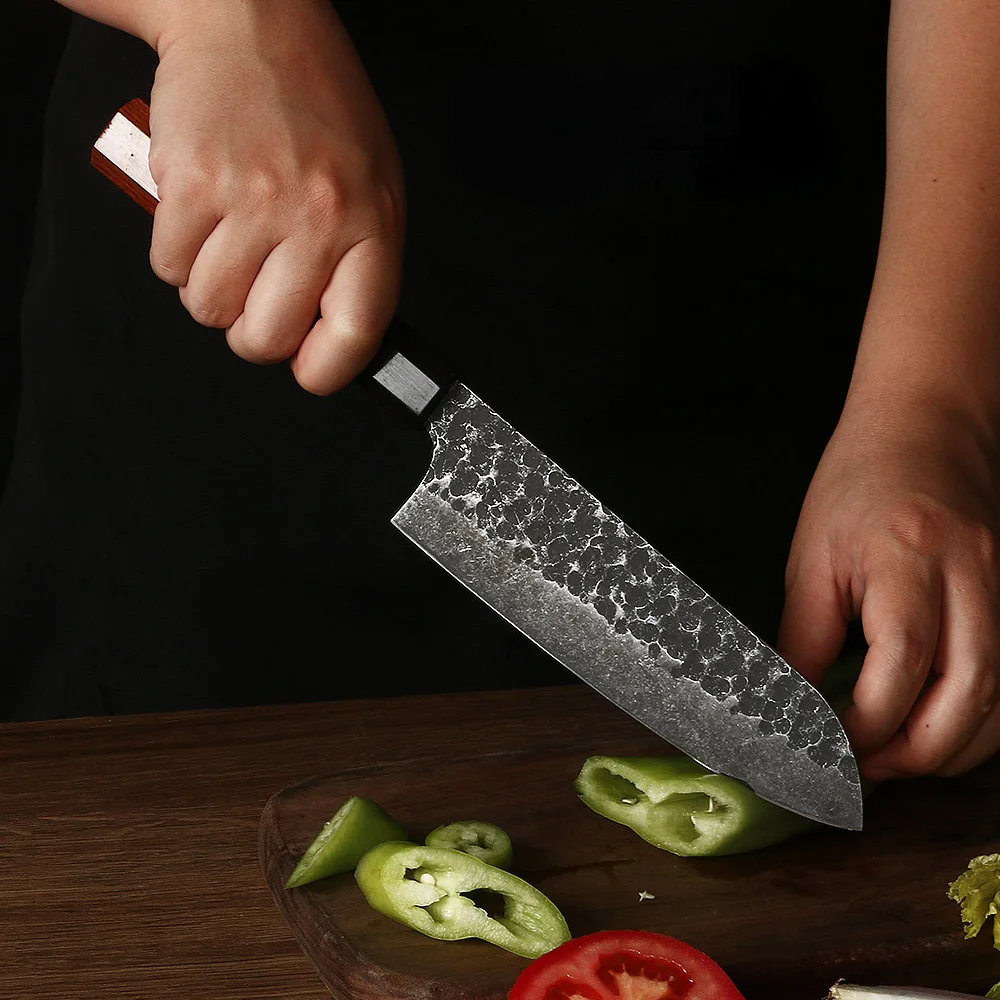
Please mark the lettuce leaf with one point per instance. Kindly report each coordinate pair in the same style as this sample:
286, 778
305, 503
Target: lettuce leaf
977, 892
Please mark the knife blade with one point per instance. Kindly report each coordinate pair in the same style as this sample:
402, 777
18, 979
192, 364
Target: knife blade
550, 558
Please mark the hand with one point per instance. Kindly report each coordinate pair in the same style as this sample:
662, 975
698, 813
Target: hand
281, 192
900, 527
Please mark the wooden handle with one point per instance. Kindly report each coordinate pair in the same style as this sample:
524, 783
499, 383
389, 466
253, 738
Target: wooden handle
122, 154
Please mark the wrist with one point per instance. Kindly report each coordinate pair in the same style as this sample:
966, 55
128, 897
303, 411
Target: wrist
892, 401
263, 25
168, 22
930, 342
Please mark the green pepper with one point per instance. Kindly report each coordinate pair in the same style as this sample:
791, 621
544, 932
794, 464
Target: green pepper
449, 895
356, 827
680, 806
676, 804
482, 840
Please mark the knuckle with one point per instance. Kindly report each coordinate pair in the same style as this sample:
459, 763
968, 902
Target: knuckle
387, 209
920, 527
952, 769
906, 656
355, 332
187, 181
166, 265
324, 201
314, 381
265, 188
982, 689
983, 542
926, 759
258, 347
207, 308
157, 159
924, 754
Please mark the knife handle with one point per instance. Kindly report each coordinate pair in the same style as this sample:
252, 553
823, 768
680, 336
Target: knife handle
404, 366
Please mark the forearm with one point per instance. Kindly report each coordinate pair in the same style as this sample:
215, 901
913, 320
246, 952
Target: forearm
932, 330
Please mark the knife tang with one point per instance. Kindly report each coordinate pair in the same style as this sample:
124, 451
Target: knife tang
404, 365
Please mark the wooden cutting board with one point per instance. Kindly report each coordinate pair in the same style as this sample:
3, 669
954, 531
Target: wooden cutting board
785, 922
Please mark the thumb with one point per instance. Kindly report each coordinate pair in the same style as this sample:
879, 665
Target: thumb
814, 620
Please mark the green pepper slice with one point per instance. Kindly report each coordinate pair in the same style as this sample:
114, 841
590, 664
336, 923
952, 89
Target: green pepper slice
356, 827
679, 806
449, 895
482, 840
676, 804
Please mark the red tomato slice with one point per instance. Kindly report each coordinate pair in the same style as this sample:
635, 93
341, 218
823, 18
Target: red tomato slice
624, 965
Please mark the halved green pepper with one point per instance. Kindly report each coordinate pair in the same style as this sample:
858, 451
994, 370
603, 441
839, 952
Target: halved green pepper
449, 895
676, 804
485, 841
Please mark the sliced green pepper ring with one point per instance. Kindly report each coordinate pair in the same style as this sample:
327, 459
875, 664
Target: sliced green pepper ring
355, 828
450, 895
482, 840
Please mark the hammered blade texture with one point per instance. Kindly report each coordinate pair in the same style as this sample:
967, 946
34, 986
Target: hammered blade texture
548, 556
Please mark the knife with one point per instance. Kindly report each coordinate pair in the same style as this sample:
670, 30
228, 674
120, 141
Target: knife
551, 559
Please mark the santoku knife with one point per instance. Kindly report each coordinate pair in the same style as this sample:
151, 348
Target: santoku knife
557, 564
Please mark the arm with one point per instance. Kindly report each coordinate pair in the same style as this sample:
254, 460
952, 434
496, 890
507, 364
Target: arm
900, 523
933, 315
281, 193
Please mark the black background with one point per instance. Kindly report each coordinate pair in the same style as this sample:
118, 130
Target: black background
645, 237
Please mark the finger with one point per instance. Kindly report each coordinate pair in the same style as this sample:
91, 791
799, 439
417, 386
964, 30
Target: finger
901, 616
283, 301
357, 306
224, 270
981, 747
815, 617
951, 713
181, 224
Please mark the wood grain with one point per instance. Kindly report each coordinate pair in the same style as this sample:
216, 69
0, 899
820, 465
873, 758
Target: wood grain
785, 922
137, 112
128, 846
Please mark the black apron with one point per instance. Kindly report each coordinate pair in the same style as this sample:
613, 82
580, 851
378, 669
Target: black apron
645, 238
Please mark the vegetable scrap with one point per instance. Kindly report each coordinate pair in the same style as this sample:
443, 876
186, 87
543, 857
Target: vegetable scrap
849, 991
356, 827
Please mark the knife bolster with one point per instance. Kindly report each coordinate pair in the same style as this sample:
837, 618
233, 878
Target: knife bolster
409, 371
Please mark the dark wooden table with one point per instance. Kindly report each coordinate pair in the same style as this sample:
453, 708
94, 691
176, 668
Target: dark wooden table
128, 845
